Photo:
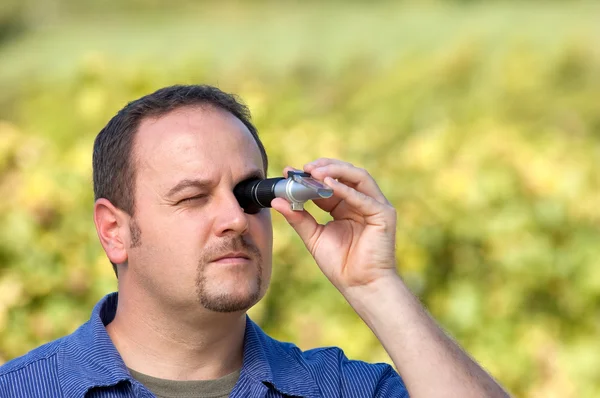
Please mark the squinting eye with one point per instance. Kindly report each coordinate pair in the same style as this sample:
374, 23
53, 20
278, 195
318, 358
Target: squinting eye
192, 198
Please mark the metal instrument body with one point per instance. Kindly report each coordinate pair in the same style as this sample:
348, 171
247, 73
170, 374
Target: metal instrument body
297, 189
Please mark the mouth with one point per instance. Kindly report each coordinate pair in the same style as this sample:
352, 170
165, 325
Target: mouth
233, 258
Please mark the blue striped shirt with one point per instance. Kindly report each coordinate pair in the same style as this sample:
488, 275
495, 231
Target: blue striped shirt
87, 364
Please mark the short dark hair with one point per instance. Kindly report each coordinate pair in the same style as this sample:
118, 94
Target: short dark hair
112, 160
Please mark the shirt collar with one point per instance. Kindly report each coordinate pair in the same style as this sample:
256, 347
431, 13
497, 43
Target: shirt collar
269, 361
88, 358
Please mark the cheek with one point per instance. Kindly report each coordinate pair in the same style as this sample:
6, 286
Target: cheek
179, 234
263, 230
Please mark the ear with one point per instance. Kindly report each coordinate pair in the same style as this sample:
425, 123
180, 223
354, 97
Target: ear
111, 226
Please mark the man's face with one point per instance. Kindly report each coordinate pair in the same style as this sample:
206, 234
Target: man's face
186, 215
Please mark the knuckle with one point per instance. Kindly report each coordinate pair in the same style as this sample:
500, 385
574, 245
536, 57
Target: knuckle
390, 211
361, 196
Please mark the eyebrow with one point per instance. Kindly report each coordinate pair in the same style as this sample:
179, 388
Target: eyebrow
204, 184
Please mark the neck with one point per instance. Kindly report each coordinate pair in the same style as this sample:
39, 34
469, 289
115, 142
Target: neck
203, 345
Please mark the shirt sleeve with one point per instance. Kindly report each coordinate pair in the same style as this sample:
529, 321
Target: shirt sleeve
378, 380
391, 385
338, 376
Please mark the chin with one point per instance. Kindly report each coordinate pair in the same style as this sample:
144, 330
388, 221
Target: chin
229, 296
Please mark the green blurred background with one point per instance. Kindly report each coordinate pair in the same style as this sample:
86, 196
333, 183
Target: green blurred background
480, 121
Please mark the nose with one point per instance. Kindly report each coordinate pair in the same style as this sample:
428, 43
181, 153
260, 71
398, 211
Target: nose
230, 217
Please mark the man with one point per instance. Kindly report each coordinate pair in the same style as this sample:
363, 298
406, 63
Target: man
190, 262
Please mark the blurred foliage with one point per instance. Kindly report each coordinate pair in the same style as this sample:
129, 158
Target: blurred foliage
491, 162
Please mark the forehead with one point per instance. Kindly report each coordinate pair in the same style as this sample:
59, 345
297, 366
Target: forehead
195, 142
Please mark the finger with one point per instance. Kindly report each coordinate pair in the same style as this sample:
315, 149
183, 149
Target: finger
302, 221
364, 204
355, 177
324, 162
327, 204
288, 168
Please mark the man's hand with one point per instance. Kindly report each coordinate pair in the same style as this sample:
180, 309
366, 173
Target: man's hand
356, 251
356, 248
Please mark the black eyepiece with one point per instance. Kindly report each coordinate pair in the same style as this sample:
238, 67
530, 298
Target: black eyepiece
255, 194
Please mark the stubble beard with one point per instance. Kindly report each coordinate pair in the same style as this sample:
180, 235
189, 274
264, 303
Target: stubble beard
225, 302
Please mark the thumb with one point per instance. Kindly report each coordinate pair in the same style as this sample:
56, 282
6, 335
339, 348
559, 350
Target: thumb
302, 221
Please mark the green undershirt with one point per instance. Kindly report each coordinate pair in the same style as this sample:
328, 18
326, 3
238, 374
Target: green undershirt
162, 388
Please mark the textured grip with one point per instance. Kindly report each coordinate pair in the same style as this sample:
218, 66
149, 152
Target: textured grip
264, 192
